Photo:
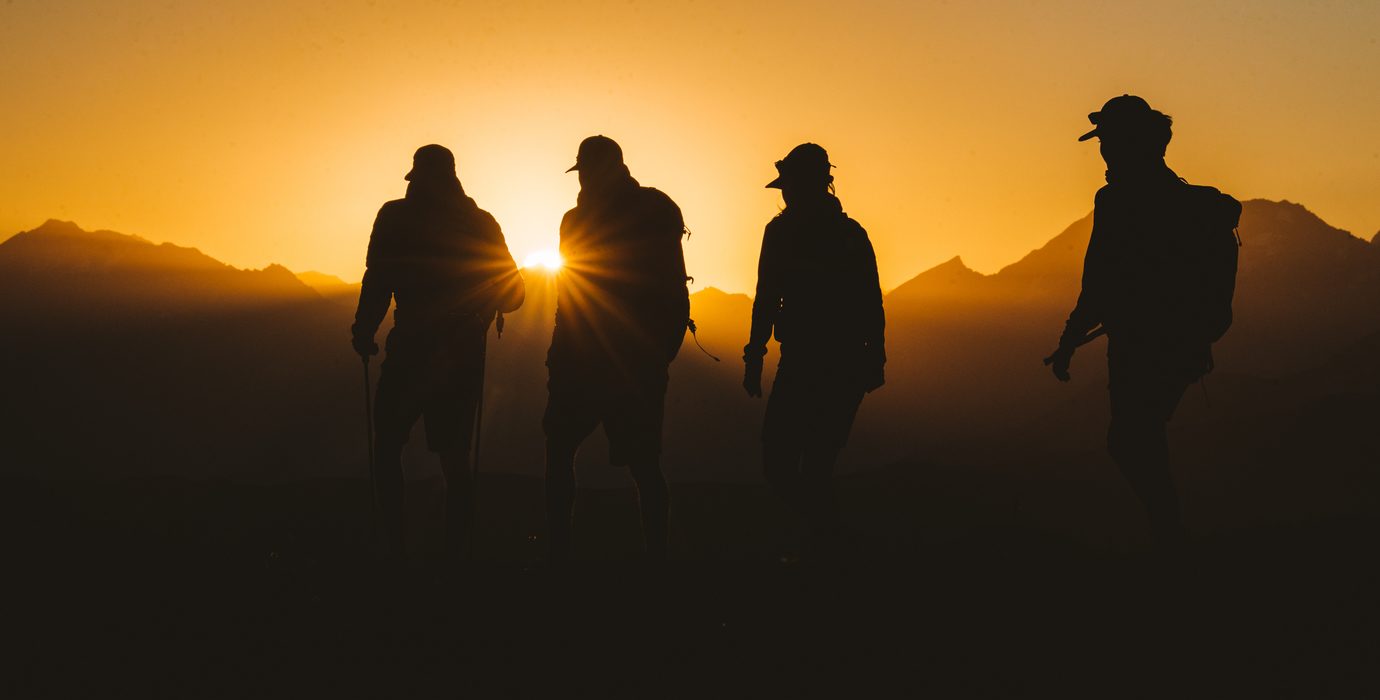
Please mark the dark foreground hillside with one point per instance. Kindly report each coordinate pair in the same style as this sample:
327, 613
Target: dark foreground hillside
175, 588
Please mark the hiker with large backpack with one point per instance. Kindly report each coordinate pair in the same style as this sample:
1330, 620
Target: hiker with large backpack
445, 265
622, 309
818, 293
1158, 282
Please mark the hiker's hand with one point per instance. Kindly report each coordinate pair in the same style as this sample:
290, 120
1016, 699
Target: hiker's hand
1059, 363
364, 346
752, 379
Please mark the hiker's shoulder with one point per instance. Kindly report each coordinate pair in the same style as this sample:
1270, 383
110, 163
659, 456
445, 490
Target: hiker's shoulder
391, 216
1208, 204
658, 202
1104, 196
851, 228
569, 218
485, 219
394, 207
655, 197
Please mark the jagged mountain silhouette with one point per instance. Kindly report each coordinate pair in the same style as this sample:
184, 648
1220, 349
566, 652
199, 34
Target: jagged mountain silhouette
140, 358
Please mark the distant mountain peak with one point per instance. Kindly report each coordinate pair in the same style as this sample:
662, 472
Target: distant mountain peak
949, 277
103, 269
312, 278
715, 293
70, 229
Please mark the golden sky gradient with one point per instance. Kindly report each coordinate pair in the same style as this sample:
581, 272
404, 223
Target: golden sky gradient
271, 131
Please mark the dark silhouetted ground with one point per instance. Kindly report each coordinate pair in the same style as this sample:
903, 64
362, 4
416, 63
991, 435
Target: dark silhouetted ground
193, 589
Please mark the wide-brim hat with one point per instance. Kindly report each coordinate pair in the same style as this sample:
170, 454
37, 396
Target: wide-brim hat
808, 162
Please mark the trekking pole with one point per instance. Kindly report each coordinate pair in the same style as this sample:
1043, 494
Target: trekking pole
1094, 335
369, 439
474, 461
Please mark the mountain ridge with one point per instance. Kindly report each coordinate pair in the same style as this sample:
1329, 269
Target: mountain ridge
216, 371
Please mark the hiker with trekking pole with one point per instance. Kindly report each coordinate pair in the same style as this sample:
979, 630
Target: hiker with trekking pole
1158, 281
444, 265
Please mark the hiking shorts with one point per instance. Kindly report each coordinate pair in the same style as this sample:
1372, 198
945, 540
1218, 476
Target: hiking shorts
813, 410
1145, 390
631, 413
438, 384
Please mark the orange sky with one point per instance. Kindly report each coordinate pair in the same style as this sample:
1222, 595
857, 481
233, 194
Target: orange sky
271, 131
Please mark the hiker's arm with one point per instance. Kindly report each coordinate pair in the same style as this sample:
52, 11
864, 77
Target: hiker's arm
767, 302
1088, 312
874, 316
504, 281
569, 272
376, 291
765, 306
677, 292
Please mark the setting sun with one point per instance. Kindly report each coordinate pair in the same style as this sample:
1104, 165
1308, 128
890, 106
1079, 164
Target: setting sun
546, 258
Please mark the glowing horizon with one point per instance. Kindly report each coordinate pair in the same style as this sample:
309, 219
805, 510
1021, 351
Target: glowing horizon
272, 134
548, 259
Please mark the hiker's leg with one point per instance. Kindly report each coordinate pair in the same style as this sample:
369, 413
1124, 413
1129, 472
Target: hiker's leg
393, 424
654, 499
783, 440
781, 467
450, 432
571, 415
819, 503
455, 464
560, 497
831, 413
1140, 449
1143, 400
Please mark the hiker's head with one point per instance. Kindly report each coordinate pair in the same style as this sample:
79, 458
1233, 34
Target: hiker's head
432, 173
599, 160
431, 162
803, 172
1129, 132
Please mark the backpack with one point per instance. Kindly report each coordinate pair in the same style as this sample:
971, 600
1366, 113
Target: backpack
1215, 246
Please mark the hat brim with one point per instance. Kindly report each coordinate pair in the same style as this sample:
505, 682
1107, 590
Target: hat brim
1088, 135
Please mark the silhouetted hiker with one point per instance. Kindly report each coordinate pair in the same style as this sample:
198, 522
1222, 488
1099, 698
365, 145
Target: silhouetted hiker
817, 290
1158, 279
621, 313
444, 262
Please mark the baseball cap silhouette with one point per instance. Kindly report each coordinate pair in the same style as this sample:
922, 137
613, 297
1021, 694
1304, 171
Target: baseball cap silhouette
597, 151
431, 159
1119, 115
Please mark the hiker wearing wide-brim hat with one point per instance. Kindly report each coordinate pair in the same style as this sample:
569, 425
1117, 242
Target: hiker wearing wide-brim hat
818, 294
443, 263
1158, 280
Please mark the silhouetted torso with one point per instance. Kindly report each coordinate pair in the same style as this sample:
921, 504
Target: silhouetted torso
622, 303
438, 255
1160, 268
817, 287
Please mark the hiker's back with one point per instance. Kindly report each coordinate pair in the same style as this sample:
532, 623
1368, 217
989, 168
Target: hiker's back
823, 266
437, 254
623, 278
1172, 251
